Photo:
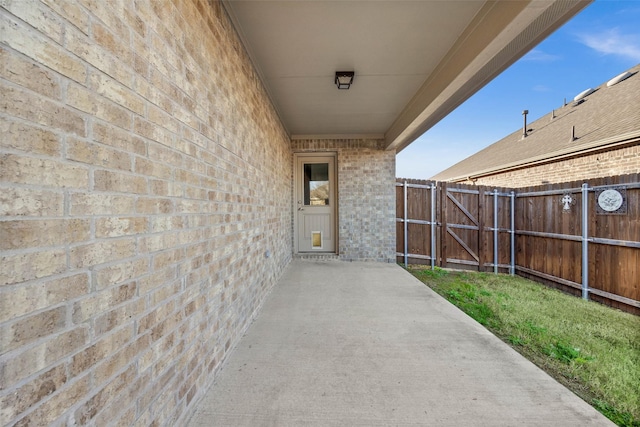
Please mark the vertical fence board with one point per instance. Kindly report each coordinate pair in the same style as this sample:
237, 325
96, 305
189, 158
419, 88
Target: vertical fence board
482, 237
418, 209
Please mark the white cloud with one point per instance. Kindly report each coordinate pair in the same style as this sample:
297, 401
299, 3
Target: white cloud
538, 55
611, 42
541, 88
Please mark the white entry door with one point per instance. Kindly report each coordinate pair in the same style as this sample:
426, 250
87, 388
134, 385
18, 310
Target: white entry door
315, 202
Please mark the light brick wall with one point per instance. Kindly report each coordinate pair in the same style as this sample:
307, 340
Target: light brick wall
620, 161
143, 175
366, 197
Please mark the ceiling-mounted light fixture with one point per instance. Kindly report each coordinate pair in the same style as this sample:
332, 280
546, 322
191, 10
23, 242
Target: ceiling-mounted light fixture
344, 79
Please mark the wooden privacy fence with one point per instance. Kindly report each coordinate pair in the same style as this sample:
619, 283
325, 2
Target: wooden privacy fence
566, 235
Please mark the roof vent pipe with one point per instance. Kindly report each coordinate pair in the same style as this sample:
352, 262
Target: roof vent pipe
553, 114
524, 128
573, 133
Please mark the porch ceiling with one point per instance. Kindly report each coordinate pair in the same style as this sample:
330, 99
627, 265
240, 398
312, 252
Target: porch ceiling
414, 61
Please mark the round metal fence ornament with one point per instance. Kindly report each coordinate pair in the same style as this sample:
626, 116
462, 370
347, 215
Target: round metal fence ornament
612, 201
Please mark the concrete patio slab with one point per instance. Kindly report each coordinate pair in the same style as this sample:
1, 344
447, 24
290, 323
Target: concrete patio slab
365, 344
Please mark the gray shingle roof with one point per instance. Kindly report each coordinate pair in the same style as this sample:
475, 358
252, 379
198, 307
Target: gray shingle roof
606, 117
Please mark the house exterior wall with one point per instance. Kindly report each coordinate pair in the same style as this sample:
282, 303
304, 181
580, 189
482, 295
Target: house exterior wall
620, 161
143, 176
366, 197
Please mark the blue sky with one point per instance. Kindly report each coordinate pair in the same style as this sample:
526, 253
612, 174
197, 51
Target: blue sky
599, 43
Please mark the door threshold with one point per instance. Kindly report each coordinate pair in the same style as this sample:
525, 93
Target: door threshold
317, 256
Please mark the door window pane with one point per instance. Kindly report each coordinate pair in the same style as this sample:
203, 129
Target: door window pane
316, 184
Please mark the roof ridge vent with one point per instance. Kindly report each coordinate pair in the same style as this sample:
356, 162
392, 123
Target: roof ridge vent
620, 77
583, 94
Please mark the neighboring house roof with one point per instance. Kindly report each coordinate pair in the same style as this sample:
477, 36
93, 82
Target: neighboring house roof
603, 119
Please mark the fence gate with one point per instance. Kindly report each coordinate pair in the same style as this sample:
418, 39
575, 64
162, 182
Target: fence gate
462, 230
456, 226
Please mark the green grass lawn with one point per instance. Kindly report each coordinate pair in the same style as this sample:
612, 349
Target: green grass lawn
592, 349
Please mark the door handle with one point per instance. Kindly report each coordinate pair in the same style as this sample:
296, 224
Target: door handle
300, 209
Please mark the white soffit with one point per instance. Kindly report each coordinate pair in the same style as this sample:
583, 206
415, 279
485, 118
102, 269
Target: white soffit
414, 61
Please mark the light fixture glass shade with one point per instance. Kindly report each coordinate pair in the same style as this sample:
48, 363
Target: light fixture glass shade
344, 79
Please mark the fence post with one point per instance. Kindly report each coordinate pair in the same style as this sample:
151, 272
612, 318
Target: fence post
443, 227
404, 223
433, 225
495, 231
482, 214
512, 268
585, 241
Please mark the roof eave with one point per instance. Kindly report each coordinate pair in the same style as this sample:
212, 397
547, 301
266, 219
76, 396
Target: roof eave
521, 25
607, 143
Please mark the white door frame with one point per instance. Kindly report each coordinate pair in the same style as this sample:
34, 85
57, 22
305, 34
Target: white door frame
297, 189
